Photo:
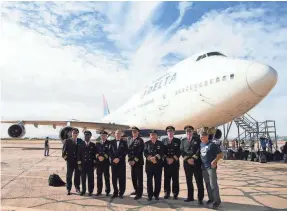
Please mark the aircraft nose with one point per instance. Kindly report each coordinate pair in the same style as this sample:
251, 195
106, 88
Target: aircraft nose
261, 78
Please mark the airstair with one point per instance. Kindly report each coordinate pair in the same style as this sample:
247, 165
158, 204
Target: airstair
253, 130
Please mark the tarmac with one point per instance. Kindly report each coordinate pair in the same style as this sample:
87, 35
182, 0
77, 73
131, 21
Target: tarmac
244, 185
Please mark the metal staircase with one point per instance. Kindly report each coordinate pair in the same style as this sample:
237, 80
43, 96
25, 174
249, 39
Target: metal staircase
253, 129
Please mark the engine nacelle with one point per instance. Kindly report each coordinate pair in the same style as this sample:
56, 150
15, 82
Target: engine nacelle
16, 131
65, 133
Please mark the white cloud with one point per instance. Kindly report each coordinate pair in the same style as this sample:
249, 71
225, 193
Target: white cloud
74, 52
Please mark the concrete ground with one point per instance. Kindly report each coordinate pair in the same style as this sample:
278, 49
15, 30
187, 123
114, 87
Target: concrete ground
244, 185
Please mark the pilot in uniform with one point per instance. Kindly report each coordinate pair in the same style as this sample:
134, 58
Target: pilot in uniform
117, 151
154, 152
69, 153
103, 163
86, 162
135, 158
190, 151
171, 163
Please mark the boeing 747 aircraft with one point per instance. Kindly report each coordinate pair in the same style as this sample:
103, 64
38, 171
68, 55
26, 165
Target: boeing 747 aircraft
208, 89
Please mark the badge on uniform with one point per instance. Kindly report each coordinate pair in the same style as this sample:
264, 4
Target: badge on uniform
175, 145
158, 147
195, 142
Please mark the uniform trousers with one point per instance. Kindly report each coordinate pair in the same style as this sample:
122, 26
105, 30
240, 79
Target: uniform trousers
119, 174
191, 170
88, 171
103, 168
137, 179
171, 172
153, 172
71, 168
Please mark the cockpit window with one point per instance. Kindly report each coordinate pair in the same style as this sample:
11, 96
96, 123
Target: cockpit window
209, 54
215, 54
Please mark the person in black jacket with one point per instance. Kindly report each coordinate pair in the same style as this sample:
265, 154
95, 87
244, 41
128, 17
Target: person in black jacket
103, 163
154, 152
69, 153
86, 162
47, 147
190, 151
171, 163
118, 151
135, 158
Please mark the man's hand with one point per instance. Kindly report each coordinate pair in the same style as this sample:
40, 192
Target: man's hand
101, 158
153, 160
132, 163
190, 161
116, 160
213, 163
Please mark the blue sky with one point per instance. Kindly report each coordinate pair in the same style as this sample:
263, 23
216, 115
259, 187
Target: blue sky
60, 57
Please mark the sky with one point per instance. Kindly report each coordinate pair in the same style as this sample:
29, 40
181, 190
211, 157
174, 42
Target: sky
59, 58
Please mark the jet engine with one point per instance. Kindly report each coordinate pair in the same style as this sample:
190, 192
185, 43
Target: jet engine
16, 131
65, 133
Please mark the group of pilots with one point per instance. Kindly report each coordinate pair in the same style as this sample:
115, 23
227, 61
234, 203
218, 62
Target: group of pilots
200, 156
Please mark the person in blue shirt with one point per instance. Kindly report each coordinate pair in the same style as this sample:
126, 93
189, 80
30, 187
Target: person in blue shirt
210, 155
263, 143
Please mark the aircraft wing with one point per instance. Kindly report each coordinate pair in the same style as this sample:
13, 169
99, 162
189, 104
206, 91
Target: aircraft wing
80, 124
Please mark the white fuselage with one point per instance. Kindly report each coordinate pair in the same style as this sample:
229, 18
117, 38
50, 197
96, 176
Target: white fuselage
209, 92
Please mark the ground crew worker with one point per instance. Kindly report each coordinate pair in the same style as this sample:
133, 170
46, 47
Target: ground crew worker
154, 152
69, 153
284, 151
210, 155
86, 162
47, 147
190, 151
103, 163
171, 163
118, 150
135, 158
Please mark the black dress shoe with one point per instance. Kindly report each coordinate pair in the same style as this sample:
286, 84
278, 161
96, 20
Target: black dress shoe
149, 198
69, 192
82, 193
156, 198
78, 190
133, 193
137, 197
121, 196
215, 205
175, 197
209, 202
98, 194
90, 194
114, 196
166, 197
107, 194
188, 200
200, 202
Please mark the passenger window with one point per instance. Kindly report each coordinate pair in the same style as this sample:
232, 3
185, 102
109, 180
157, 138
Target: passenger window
190, 87
211, 81
232, 76
200, 85
217, 80
206, 83
195, 86
224, 78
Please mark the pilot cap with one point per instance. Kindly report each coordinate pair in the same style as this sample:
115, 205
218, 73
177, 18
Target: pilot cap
152, 131
75, 130
103, 132
169, 128
135, 128
87, 132
188, 128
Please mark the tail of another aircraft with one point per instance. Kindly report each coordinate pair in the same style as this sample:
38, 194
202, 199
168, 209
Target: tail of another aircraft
106, 107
